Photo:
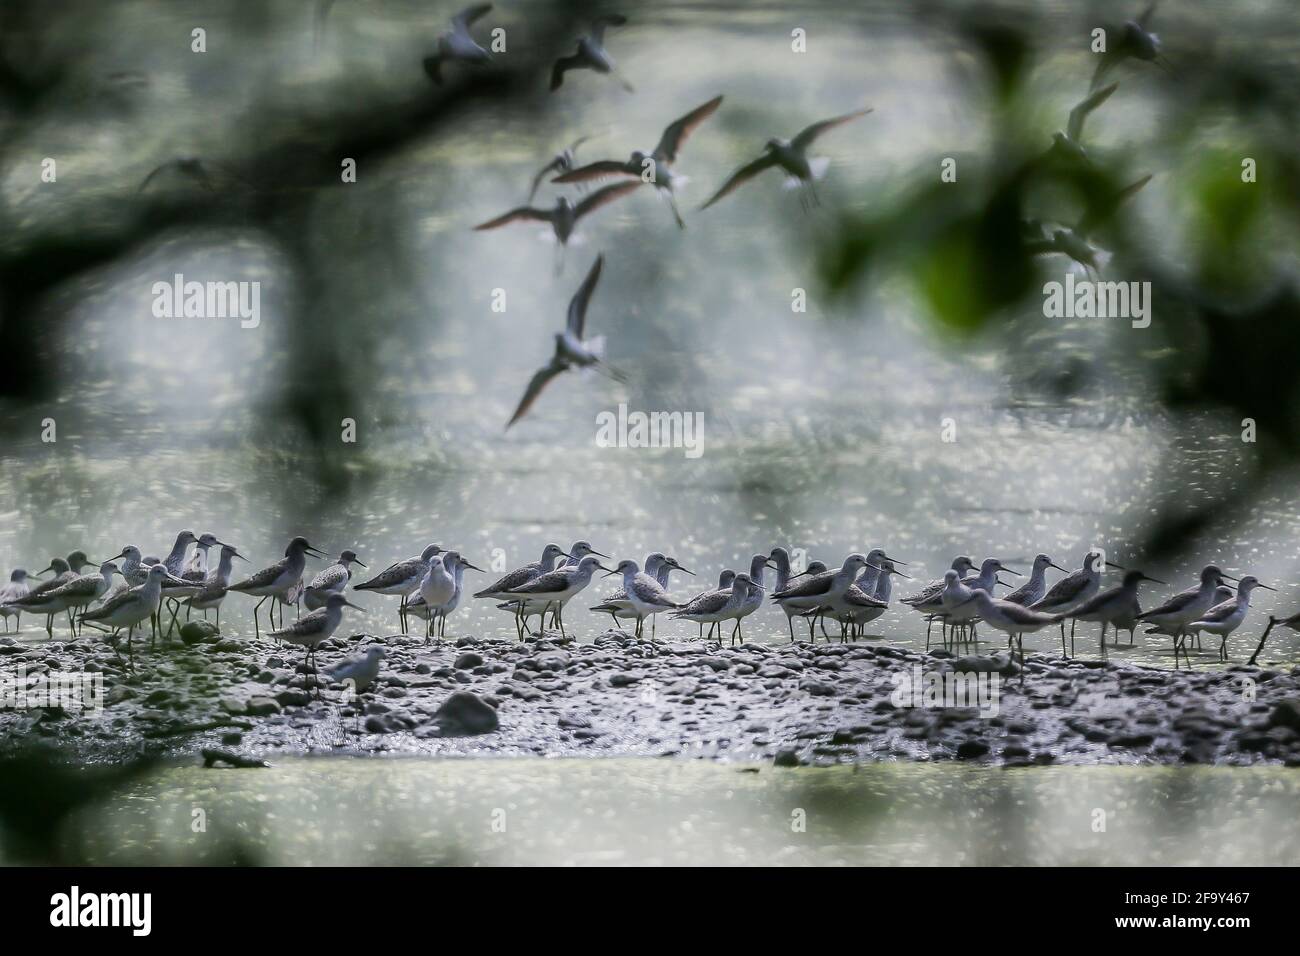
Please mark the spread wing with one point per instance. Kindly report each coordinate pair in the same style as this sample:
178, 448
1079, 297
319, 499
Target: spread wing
677, 132
600, 23
578, 306
465, 19
1080, 113
1144, 21
606, 195
564, 64
598, 170
806, 137
539, 381
741, 176
546, 170
514, 215
1101, 211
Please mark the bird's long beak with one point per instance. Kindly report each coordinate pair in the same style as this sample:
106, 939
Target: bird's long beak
1053, 564
236, 554
901, 574
875, 567
1147, 577
1117, 567
683, 570
599, 554
474, 567
1265, 587
42, 571
895, 560
355, 606
360, 562
755, 584
1228, 577
1011, 571
316, 552
120, 554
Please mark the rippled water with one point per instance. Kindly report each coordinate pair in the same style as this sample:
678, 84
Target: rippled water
537, 812
822, 429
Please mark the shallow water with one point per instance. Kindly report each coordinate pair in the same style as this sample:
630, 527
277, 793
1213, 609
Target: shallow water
576, 812
823, 431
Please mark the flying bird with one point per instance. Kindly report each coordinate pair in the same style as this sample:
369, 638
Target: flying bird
790, 155
656, 164
1069, 143
590, 54
458, 44
561, 163
1074, 243
571, 349
1136, 41
564, 217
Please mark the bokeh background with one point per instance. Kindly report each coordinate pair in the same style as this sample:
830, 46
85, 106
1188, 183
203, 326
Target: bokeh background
823, 429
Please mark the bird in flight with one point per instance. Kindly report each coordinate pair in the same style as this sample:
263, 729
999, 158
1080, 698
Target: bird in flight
561, 163
572, 350
791, 156
458, 44
590, 54
655, 166
1070, 142
564, 216
1073, 242
1136, 41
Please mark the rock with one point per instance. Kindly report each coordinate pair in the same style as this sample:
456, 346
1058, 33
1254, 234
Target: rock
464, 713
816, 688
971, 749
786, 757
232, 705
262, 706
199, 632
622, 679
468, 661
1285, 714
293, 697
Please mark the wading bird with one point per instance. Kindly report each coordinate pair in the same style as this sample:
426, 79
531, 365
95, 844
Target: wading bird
275, 582
402, 578
315, 628
331, 580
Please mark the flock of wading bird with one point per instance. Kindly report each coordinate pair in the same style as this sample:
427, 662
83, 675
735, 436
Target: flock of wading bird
431, 586
658, 167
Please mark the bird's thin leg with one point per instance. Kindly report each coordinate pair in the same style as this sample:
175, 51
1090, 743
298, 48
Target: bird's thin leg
672, 203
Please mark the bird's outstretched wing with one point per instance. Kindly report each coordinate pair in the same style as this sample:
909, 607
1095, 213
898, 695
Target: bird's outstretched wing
577, 319
806, 137
562, 66
602, 169
193, 168
600, 23
677, 132
514, 215
545, 171
741, 176
465, 19
1100, 211
1080, 113
606, 195
1040, 247
1144, 21
538, 382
